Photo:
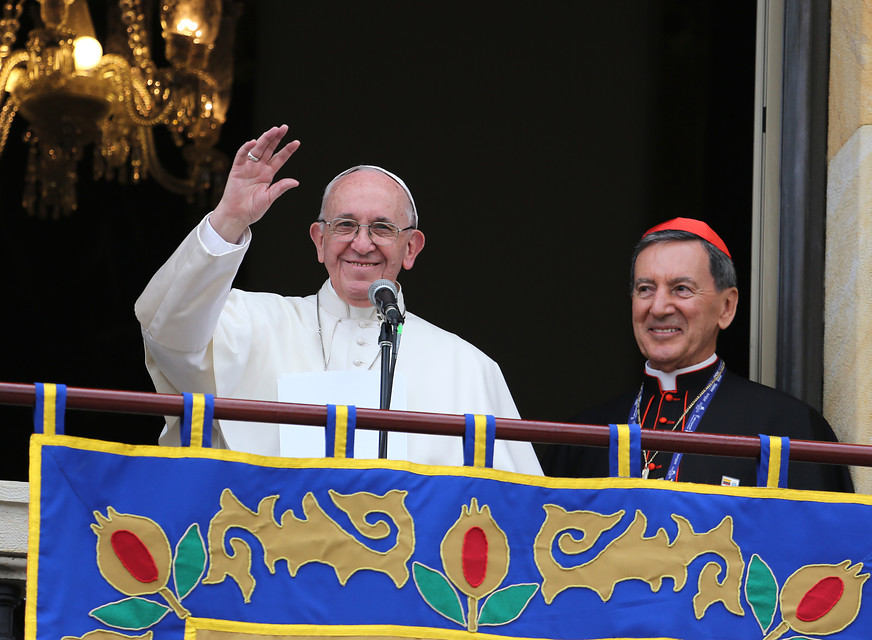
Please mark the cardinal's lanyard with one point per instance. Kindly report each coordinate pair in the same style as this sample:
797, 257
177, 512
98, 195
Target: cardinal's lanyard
699, 406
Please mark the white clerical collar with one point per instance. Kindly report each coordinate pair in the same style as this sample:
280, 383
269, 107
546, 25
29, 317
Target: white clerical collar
334, 305
668, 381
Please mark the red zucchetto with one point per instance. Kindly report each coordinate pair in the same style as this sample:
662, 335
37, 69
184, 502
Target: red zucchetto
696, 227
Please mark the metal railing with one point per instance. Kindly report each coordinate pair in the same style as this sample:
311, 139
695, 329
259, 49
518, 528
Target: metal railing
133, 402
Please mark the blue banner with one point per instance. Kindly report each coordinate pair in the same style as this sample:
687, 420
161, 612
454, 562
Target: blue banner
159, 542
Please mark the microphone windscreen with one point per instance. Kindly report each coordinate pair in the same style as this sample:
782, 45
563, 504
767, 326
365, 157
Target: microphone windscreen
378, 285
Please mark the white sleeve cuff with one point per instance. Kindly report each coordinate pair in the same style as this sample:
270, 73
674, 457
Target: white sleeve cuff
214, 243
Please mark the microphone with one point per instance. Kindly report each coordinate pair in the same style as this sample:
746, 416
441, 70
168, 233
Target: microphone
383, 296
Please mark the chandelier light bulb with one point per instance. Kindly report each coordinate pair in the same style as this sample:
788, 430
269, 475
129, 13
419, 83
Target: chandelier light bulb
15, 77
87, 52
188, 27
197, 20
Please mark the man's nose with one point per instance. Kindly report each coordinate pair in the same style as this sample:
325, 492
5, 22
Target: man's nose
662, 304
362, 242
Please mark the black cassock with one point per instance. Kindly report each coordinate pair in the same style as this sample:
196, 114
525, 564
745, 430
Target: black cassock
739, 407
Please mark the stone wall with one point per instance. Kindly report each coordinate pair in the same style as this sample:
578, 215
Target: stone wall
848, 314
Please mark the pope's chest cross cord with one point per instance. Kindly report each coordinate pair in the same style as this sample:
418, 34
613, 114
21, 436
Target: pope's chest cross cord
324, 358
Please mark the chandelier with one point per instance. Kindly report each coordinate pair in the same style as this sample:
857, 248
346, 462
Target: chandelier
74, 97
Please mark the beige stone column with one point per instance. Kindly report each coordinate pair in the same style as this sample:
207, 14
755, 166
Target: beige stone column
848, 314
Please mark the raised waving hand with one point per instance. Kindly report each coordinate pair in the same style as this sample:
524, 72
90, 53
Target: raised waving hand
250, 190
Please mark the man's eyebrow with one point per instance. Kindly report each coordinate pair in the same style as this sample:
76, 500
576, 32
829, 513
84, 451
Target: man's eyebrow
681, 280
670, 282
353, 216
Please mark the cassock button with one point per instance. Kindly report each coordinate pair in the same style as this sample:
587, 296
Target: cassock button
361, 340
669, 397
358, 363
662, 420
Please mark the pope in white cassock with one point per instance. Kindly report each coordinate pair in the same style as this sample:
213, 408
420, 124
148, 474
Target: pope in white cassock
203, 336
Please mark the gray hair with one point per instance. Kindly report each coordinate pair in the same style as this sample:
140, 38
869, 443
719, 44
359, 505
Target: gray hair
411, 210
720, 265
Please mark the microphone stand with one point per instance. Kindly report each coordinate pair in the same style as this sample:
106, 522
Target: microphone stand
387, 341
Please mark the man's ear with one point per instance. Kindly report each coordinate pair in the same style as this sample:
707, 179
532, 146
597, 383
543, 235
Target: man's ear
728, 311
316, 232
413, 247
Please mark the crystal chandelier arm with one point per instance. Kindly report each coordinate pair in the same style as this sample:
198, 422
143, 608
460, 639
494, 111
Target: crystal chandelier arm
7, 66
9, 25
170, 76
133, 18
7, 113
208, 79
181, 186
139, 104
193, 95
10, 103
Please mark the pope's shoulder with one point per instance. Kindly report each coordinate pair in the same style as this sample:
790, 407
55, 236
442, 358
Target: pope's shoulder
417, 329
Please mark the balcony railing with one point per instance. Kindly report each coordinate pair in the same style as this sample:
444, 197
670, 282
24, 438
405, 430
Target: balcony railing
14, 495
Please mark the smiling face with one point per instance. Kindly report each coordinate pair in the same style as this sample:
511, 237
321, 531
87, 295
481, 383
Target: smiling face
677, 309
365, 196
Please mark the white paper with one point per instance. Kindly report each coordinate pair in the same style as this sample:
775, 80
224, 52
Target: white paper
358, 388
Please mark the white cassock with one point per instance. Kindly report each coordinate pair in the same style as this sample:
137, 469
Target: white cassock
202, 336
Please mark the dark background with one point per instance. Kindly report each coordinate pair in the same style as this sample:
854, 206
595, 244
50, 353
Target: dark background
540, 142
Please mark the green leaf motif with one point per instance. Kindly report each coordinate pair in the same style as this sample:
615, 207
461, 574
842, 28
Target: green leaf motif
133, 614
503, 606
761, 591
190, 561
438, 593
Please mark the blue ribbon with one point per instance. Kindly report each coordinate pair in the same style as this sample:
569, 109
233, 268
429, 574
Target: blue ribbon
339, 434
478, 440
197, 420
625, 451
773, 462
49, 408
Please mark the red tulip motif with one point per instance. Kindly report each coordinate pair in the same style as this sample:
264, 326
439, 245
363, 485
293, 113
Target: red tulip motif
821, 599
134, 556
475, 553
